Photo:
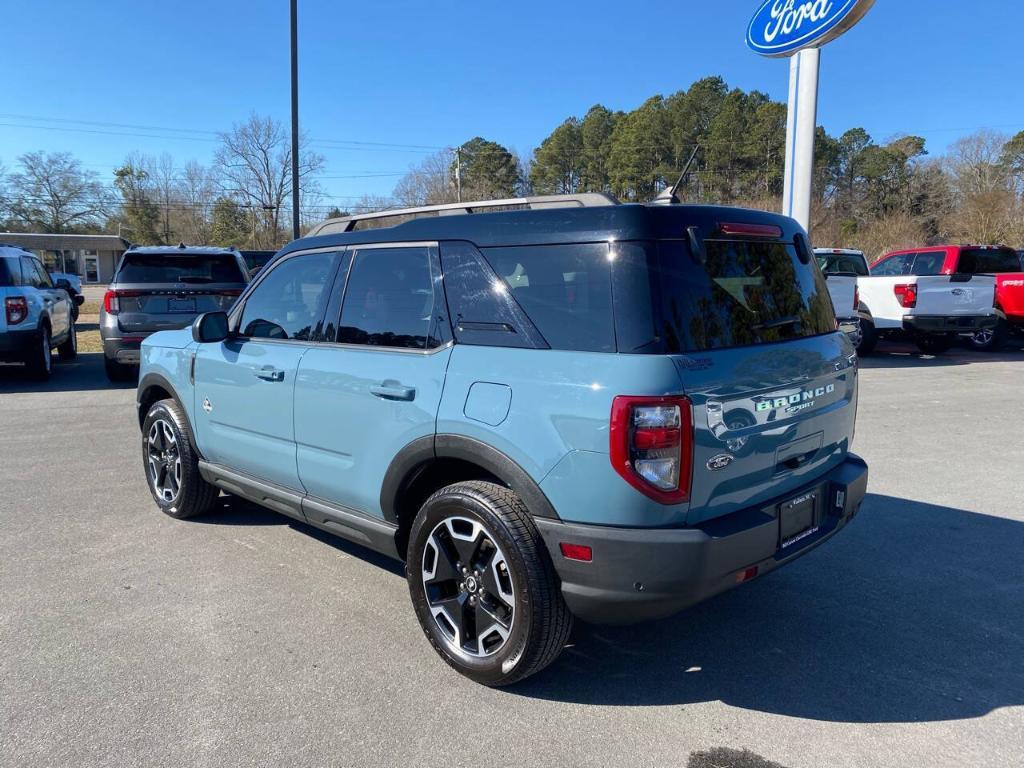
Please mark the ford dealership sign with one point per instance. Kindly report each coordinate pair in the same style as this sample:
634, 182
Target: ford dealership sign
783, 27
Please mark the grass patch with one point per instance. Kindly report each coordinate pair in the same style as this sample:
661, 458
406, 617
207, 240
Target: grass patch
90, 308
89, 341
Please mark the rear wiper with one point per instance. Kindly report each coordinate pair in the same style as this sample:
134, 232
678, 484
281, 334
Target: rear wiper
782, 322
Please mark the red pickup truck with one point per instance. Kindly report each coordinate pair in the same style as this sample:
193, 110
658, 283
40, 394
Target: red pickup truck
996, 260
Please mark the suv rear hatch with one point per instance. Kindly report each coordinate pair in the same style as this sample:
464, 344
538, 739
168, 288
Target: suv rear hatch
772, 385
961, 295
161, 291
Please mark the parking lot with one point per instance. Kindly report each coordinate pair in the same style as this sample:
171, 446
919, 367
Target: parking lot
244, 638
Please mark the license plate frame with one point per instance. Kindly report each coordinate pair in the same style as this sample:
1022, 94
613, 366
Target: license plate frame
798, 518
181, 305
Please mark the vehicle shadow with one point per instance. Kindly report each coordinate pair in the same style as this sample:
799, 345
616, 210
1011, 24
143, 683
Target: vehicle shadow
84, 373
913, 613
903, 355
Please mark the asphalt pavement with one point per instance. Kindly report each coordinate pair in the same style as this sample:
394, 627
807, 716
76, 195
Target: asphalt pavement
243, 638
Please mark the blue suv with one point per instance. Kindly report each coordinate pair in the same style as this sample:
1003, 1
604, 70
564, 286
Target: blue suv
552, 407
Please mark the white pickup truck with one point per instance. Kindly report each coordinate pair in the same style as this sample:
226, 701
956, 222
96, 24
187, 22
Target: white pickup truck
841, 269
930, 310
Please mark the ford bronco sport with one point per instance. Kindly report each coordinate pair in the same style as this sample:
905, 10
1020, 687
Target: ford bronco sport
576, 409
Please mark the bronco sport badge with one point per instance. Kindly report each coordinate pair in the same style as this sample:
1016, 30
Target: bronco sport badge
803, 399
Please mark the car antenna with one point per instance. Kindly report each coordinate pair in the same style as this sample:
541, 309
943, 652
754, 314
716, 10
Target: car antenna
667, 196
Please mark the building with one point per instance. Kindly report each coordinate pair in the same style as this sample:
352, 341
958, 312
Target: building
93, 257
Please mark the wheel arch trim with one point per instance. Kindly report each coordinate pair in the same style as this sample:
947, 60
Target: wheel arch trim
153, 379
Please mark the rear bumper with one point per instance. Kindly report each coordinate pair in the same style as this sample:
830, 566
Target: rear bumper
15, 344
124, 350
641, 574
952, 324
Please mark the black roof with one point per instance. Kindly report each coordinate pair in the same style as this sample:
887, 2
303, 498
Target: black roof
552, 226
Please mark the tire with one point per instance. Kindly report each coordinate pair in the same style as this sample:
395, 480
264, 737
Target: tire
509, 582
990, 339
39, 361
869, 338
171, 465
937, 344
118, 373
69, 349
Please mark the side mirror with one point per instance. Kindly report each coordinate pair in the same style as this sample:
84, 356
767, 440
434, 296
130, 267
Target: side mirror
210, 327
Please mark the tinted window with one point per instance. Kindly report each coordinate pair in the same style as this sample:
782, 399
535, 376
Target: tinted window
30, 275
929, 263
979, 261
179, 268
746, 293
389, 300
836, 263
564, 289
894, 265
10, 272
288, 303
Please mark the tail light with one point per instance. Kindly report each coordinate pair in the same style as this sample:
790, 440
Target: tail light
111, 300
651, 445
16, 309
906, 294
749, 230
856, 297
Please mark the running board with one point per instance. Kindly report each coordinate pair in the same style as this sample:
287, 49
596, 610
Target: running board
373, 533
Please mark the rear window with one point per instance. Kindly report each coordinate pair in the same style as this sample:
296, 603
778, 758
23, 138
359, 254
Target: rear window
564, 289
981, 261
180, 268
747, 293
836, 263
10, 275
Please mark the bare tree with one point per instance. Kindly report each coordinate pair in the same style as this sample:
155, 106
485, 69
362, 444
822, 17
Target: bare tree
197, 191
52, 192
254, 164
429, 183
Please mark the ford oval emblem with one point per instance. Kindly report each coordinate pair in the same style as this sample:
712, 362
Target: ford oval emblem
783, 27
958, 291
721, 461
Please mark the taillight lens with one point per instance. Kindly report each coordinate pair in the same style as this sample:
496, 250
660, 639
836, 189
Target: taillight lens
652, 445
749, 230
856, 298
16, 309
906, 293
112, 303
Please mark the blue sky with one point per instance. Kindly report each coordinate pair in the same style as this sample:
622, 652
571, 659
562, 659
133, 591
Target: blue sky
433, 74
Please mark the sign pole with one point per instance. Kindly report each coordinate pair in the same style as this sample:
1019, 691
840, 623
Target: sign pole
801, 127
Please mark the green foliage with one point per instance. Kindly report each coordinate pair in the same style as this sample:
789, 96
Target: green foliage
489, 170
232, 225
558, 164
139, 211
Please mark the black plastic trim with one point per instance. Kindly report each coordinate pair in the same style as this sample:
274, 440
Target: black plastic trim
156, 380
269, 495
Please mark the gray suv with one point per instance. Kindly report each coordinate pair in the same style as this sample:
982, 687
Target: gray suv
159, 288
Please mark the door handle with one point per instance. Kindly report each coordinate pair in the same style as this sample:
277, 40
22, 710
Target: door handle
269, 373
392, 390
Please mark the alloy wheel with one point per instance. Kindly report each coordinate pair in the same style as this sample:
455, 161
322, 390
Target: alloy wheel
469, 588
164, 460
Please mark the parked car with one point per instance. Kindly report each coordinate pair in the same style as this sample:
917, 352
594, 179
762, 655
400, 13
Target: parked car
159, 288
580, 409
74, 286
907, 300
999, 261
842, 267
256, 260
37, 316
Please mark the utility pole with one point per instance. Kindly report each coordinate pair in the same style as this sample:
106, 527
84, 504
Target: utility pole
458, 174
295, 120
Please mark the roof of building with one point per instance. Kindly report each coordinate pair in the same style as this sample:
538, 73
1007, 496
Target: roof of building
55, 242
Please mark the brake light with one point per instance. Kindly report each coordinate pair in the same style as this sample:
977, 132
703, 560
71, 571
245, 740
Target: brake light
580, 552
906, 294
856, 297
16, 309
750, 230
111, 300
651, 445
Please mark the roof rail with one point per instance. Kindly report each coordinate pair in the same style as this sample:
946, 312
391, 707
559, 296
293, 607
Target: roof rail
581, 200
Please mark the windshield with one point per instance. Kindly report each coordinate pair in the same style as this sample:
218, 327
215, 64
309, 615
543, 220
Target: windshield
835, 263
180, 268
981, 261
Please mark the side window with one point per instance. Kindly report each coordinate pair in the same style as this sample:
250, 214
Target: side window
894, 265
44, 276
566, 290
389, 300
929, 263
29, 276
289, 301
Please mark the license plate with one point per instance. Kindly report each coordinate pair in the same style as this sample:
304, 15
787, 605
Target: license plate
797, 519
181, 305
